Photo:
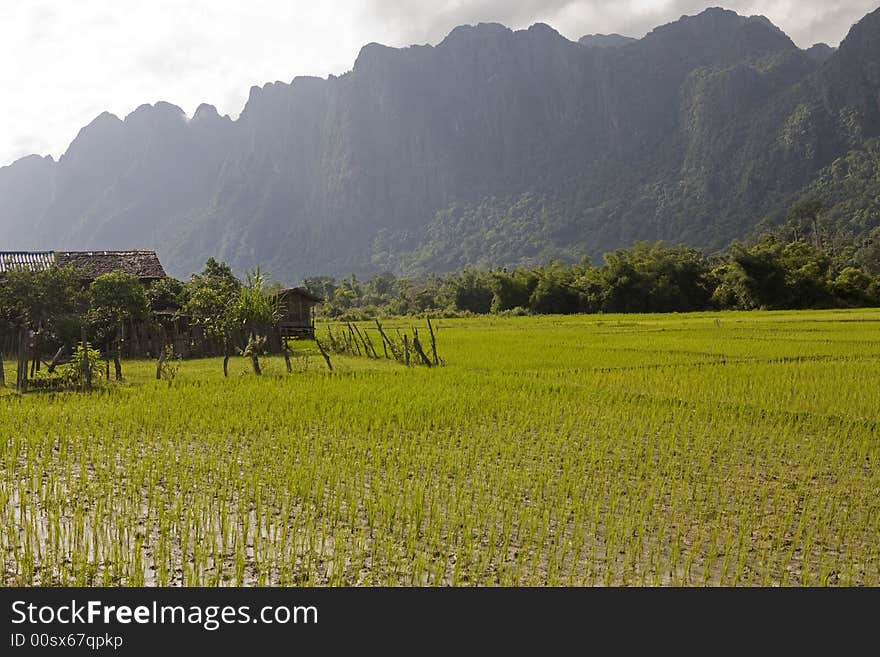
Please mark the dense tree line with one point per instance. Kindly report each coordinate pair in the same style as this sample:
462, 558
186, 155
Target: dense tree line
774, 271
802, 263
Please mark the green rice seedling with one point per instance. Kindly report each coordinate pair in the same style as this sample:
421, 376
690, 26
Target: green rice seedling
654, 449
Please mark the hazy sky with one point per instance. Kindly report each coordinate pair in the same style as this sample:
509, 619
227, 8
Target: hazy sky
63, 62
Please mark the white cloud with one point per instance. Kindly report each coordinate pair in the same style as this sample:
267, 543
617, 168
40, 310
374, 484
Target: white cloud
62, 63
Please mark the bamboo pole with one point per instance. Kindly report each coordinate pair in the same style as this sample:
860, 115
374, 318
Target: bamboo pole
354, 339
387, 341
417, 345
324, 354
433, 342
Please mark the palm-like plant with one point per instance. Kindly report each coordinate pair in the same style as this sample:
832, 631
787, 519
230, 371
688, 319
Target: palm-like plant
255, 310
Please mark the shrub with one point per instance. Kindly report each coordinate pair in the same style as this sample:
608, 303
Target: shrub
73, 374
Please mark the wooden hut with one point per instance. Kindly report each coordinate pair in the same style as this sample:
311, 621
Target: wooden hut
89, 265
297, 312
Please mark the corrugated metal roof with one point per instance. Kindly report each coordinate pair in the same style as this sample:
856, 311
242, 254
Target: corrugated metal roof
27, 260
88, 264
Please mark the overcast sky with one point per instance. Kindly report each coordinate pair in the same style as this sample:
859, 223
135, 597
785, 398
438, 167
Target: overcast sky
63, 62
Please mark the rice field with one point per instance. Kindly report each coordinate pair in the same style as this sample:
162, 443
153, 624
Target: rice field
700, 449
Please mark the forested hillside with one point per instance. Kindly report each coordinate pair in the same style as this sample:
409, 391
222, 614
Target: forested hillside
493, 148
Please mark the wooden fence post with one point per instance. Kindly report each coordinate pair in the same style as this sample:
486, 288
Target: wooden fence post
285, 351
86, 365
117, 352
227, 352
162, 356
21, 379
117, 363
35, 362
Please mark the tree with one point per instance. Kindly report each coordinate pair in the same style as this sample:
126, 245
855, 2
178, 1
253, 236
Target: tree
512, 290
855, 288
554, 291
803, 219
380, 288
651, 278
42, 302
731, 290
868, 254
209, 297
758, 274
807, 271
322, 287
473, 292
255, 311
167, 294
114, 299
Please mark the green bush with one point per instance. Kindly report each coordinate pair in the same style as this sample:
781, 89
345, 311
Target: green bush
73, 373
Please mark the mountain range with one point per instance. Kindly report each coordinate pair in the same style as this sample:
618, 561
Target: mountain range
493, 148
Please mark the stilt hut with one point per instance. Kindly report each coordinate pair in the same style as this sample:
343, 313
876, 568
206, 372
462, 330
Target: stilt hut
297, 312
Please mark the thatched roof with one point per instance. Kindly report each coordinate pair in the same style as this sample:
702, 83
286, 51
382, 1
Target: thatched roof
89, 265
299, 291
